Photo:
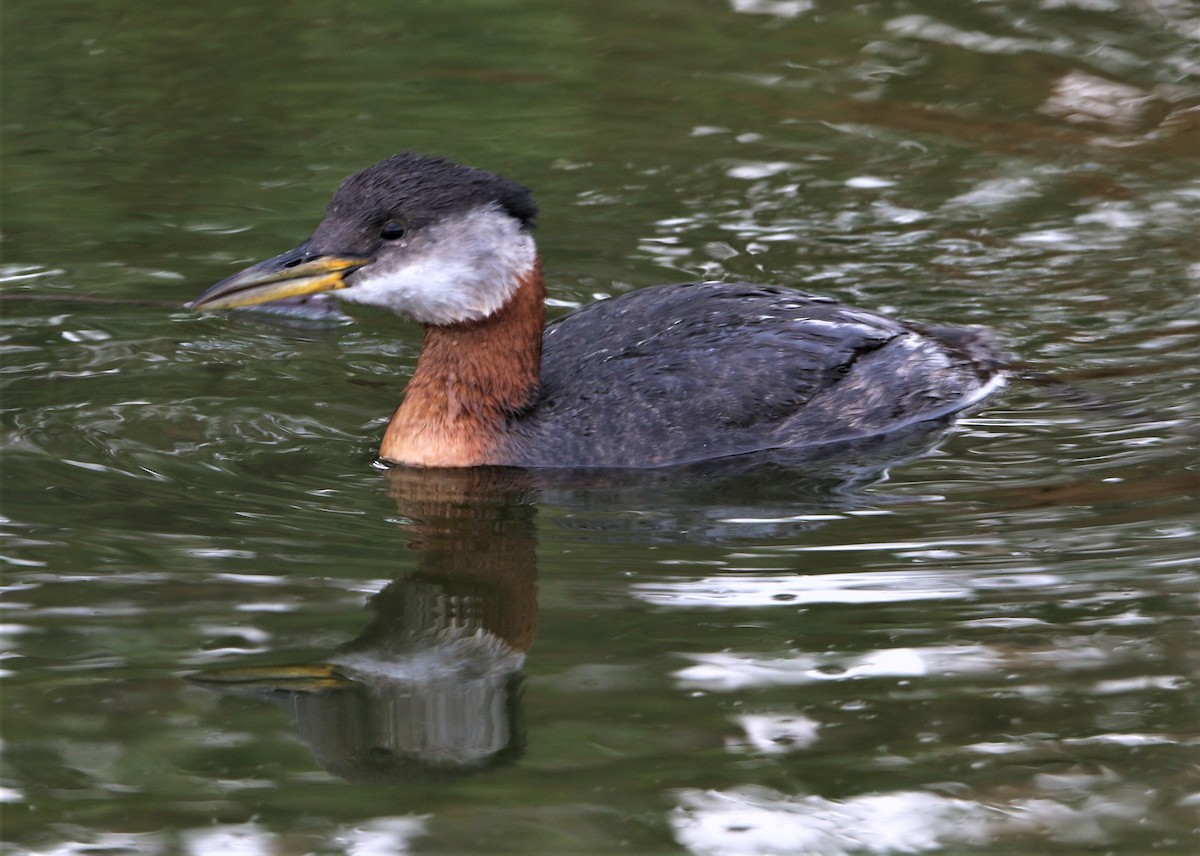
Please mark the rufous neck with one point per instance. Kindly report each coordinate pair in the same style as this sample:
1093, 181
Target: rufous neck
469, 379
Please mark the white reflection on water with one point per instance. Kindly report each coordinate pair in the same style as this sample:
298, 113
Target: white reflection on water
1083, 98
17, 273
869, 182
997, 192
383, 836
792, 589
725, 671
927, 28
774, 734
11, 795
775, 8
739, 590
243, 840
240, 641
106, 842
750, 820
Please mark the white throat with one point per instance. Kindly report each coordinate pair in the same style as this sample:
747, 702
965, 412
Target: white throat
462, 269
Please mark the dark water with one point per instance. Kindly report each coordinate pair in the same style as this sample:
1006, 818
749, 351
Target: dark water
979, 642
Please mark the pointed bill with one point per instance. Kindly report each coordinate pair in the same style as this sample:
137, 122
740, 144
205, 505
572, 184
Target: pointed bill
291, 274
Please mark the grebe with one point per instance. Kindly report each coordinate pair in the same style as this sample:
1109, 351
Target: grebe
665, 375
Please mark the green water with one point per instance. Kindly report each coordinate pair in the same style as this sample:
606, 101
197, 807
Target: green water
987, 646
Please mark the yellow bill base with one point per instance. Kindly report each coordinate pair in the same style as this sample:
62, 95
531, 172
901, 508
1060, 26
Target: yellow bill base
255, 285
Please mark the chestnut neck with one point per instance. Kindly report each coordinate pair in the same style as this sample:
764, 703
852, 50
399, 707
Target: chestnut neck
470, 379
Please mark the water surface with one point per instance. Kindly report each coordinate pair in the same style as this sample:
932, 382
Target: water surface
982, 641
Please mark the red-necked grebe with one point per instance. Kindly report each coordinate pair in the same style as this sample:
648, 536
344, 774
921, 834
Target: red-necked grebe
659, 376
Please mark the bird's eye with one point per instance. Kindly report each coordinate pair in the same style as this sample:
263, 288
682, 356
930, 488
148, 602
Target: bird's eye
392, 230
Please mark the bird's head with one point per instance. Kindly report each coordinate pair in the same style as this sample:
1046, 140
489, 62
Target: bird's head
424, 237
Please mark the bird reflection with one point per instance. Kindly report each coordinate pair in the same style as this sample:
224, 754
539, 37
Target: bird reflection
432, 685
